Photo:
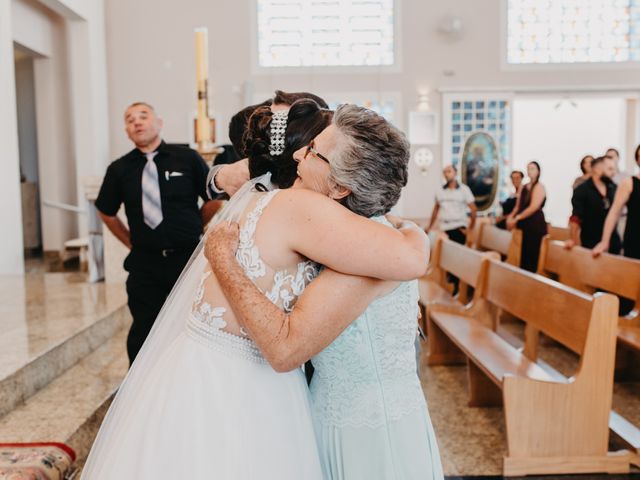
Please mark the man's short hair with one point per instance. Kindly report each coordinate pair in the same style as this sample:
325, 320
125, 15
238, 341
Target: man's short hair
517, 172
614, 151
597, 160
138, 104
455, 169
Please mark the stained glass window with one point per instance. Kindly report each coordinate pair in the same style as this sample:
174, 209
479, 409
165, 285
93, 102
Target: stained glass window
573, 31
296, 33
488, 115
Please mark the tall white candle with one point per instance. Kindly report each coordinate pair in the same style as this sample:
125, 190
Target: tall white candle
203, 127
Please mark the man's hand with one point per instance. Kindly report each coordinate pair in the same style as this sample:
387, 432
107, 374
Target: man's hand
222, 242
600, 248
569, 244
399, 223
231, 177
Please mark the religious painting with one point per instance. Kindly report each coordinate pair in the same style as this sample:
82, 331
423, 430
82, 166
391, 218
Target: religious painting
480, 166
468, 114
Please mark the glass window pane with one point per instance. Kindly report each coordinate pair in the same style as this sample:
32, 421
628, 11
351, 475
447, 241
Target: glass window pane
293, 33
572, 31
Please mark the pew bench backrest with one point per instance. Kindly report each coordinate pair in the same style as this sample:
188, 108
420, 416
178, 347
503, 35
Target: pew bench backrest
506, 243
558, 311
579, 269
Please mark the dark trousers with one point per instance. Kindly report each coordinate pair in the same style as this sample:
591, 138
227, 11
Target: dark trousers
459, 236
151, 278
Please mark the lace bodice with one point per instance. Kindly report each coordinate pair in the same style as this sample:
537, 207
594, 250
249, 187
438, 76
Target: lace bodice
367, 376
209, 318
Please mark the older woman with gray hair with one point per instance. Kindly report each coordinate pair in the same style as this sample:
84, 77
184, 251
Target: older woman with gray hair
369, 412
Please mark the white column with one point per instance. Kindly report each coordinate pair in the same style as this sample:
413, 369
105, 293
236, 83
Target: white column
11, 246
89, 103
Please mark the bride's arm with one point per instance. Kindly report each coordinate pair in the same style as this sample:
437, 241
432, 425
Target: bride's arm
323, 230
327, 306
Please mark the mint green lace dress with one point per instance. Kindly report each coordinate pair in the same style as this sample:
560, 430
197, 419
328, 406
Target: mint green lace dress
370, 415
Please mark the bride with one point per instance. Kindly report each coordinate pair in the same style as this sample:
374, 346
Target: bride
200, 401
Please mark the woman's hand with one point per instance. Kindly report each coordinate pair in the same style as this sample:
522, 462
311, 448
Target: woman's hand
222, 241
511, 223
600, 248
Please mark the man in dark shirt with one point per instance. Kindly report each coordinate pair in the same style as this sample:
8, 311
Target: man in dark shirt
591, 202
510, 203
159, 185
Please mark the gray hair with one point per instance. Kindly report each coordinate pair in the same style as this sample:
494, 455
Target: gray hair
371, 159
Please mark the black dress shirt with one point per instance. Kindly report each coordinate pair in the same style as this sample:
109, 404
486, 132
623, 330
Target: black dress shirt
182, 175
590, 210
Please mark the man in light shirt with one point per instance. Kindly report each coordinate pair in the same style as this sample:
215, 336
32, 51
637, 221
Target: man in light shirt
452, 203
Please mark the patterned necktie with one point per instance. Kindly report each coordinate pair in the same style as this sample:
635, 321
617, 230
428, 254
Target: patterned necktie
151, 203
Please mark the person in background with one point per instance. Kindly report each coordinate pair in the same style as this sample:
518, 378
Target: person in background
585, 167
233, 176
529, 217
591, 203
452, 202
159, 185
612, 166
510, 203
628, 193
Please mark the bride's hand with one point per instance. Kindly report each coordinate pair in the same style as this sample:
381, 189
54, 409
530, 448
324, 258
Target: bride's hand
222, 240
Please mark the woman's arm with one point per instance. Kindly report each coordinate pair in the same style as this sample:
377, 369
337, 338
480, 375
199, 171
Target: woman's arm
622, 197
327, 306
511, 222
537, 197
324, 231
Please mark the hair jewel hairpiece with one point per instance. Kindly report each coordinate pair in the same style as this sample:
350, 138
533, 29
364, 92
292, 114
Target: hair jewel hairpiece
277, 132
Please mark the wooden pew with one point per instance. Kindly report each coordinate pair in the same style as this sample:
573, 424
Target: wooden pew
554, 425
450, 257
507, 243
558, 233
473, 235
613, 273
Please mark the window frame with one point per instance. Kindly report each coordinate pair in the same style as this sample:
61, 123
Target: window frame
577, 66
394, 96
257, 69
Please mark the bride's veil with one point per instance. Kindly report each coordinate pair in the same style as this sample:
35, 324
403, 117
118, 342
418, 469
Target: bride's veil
168, 325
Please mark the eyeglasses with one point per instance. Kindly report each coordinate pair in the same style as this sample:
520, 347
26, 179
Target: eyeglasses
315, 152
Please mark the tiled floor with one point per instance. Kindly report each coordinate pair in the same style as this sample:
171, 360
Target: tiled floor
40, 310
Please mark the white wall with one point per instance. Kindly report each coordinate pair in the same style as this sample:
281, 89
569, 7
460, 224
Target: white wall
67, 42
559, 137
26, 114
150, 57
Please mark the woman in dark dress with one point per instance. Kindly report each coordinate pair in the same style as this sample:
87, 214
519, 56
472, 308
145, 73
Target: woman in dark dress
628, 194
529, 217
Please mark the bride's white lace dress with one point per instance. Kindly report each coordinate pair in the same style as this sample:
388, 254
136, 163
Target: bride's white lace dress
211, 407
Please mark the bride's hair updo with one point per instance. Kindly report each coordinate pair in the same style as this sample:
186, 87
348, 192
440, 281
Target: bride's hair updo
306, 119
